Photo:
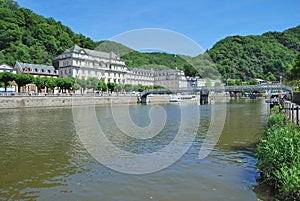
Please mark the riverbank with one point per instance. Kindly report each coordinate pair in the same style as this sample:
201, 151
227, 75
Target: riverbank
279, 157
7, 102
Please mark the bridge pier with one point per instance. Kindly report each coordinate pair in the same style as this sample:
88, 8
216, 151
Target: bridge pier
143, 99
204, 97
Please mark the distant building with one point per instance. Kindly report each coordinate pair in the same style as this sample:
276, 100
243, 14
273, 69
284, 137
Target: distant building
7, 68
137, 76
84, 63
36, 69
171, 79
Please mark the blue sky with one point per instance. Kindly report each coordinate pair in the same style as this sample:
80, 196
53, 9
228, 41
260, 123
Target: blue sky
204, 21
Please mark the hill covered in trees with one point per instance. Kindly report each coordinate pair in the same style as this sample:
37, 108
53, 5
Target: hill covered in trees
31, 38
267, 56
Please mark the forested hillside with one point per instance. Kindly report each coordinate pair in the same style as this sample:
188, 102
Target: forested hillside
30, 38
268, 56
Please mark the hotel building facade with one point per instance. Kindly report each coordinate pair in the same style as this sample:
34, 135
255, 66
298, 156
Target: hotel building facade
85, 63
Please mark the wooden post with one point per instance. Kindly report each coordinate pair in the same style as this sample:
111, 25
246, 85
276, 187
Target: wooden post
290, 109
297, 115
292, 112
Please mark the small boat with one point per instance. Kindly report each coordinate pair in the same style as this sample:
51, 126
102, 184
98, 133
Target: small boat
182, 98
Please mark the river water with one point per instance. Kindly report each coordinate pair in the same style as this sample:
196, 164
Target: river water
42, 157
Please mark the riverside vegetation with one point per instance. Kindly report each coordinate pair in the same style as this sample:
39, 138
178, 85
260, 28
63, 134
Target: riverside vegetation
279, 157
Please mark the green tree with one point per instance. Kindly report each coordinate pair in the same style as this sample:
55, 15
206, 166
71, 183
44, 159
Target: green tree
208, 83
119, 87
92, 83
50, 83
83, 84
23, 79
252, 81
39, 83
158, 87
69, 83
128, 87
111, 86
295, 72
102, 86
6, 78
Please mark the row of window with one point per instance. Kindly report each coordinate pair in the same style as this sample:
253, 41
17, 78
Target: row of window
89, 72
36, 70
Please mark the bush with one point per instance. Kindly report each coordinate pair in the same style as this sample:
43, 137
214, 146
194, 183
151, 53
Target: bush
276, 120
279, 158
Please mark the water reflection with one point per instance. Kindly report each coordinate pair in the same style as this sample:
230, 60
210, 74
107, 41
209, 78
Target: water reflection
42, 158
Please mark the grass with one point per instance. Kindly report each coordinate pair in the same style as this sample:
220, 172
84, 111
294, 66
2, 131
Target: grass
279, 157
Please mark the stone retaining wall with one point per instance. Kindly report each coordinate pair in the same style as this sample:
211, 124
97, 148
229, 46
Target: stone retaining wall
20, 102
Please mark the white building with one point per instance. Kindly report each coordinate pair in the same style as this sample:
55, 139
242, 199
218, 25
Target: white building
137, 76
37, 70
171, 79
7, 68
84, 63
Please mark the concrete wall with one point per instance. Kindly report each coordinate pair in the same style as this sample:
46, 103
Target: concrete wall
20, 102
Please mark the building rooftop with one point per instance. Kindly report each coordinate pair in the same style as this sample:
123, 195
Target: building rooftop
94, 53
37, 69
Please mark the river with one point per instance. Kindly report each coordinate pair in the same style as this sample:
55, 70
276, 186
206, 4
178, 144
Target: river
42, 157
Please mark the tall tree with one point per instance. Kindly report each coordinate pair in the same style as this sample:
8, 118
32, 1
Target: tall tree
102, 86
111, 86
23, 79
6, 78
92, 83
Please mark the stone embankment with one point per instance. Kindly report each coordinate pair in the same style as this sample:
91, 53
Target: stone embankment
61, 101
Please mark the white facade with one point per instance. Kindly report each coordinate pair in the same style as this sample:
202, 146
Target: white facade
7, 68
137, 76
84, 63
171, 79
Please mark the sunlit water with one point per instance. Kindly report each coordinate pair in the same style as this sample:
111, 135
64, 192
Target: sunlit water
42, 157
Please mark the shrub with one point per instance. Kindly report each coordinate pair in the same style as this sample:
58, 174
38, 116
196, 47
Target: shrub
276, 119
279, 158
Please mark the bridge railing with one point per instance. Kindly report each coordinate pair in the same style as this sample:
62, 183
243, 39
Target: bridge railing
221, 89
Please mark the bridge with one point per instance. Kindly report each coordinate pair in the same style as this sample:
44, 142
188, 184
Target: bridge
206, 90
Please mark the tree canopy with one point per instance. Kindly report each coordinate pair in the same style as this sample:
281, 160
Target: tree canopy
267, 56
31, 38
